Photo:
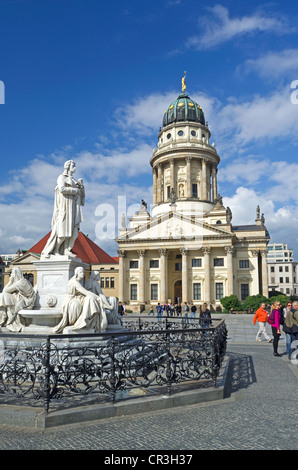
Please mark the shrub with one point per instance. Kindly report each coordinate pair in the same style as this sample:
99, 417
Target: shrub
231, 301
253, 302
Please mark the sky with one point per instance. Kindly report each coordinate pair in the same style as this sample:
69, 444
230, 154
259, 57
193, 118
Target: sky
89, 80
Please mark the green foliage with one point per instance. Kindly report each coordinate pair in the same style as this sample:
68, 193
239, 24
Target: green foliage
253, 302
283, 299
231, 301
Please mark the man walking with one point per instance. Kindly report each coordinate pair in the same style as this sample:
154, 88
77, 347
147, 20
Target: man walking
261, 318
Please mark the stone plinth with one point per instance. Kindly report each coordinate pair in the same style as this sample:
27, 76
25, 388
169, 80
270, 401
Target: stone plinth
53, 274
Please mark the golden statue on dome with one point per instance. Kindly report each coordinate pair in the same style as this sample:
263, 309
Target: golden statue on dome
183, 83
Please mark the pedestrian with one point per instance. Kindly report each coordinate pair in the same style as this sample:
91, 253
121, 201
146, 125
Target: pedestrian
120, 309
261, 317
159, 312
291, 323
205, 316
186, 310
288, 310
151, 311
193, 311
275, 326
178, 310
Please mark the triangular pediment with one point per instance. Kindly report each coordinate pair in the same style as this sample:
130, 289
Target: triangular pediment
174, 225
27, 258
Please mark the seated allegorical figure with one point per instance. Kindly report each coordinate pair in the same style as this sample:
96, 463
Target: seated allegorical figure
81, 308
109, 304
18, 294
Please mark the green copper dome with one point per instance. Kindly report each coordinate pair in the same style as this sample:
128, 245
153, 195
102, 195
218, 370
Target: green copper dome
183, 109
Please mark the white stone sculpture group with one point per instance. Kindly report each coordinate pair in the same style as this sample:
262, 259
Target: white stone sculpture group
84, 307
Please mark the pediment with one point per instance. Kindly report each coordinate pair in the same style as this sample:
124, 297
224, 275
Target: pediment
174, 226
27, 258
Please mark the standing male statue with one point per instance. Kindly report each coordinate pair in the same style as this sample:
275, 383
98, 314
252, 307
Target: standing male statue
67, 215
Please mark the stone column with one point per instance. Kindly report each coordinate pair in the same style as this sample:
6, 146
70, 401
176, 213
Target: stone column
163, 275
154, 185
204, 180
206, 252
264, 273
230, 284
142, 276
122, 255
184, 252
256, 273
214, 182
188, 177
172, 175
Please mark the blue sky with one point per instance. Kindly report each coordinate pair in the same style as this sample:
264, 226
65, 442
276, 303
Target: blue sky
91, 79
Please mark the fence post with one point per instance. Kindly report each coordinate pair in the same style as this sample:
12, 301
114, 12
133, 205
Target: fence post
168, 373
113, 375
47, 374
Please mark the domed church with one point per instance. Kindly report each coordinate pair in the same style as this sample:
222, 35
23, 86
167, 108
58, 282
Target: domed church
187, 249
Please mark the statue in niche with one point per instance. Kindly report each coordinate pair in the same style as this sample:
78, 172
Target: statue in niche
181, 190
81, 308
18, 294
108, 304
173, 196
67, 214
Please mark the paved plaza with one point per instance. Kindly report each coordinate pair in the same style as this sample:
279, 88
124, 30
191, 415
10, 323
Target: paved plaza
259, 412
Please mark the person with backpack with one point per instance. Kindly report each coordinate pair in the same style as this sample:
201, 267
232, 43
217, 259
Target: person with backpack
274, 320
186, 310
291, 324
288, 312
261, 317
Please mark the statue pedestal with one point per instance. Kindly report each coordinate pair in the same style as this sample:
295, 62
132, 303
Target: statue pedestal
53, 274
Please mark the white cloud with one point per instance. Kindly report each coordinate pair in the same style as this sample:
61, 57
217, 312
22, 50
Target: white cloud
220, 27
273, 64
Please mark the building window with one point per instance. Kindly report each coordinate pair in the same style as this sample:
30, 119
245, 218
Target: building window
219, 290
154, 263
168, 192
243, 263
154, 291
134, 264
133, 292
195, 190
196, 262
107, 282
287, 280
280, 269
286, 269
112, 282
272, 269
281, 279
197, 291
178, 266
102, 282
244, 291
218, 262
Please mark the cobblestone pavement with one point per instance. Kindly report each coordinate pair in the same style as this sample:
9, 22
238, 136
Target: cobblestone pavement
259, 412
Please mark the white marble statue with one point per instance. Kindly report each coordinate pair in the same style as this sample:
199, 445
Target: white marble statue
67, 214
18, 294
81, 308
109, 304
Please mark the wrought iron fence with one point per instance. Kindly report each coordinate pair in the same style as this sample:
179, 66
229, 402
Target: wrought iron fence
57, 369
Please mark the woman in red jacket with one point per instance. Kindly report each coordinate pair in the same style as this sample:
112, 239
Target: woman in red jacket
275, 325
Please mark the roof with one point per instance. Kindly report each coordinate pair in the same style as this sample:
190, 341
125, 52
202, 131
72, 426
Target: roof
183, 109
84, 248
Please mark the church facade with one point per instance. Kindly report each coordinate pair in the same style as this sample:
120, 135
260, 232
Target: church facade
187, 249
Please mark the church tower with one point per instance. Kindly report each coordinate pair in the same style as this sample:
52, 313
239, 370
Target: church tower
185, 164
186, 249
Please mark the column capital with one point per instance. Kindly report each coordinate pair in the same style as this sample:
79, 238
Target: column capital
141, 252
229, 249
206, 250
263, 253
163, 251
184, 251
254, 252
121, 253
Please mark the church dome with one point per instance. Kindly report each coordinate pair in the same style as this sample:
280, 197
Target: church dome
183, 109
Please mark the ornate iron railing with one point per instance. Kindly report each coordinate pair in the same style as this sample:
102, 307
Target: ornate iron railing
65, 369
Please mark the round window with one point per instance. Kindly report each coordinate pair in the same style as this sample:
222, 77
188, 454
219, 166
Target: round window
180, 133
168, 136
193, 133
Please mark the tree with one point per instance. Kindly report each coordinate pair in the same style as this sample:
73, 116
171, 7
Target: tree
283, 299
253, 302
231, 301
